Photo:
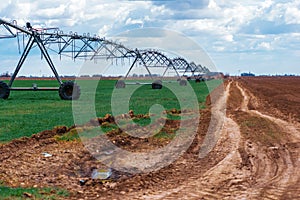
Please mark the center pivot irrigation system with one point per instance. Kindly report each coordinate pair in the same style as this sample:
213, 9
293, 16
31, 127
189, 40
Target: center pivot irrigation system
86, 47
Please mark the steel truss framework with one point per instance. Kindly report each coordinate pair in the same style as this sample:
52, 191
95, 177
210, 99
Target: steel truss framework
198, 68
153, 59
84, 47
182, 65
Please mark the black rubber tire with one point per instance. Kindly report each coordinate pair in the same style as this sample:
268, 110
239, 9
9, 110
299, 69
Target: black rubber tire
120, 84
182, 82
4, 90
198, 80
157, 85
69, 91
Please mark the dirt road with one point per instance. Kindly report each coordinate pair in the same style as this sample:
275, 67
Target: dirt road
256, 156
251, 169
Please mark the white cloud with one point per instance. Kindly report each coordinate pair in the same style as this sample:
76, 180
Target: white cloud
265, 45
53, 12
219, 48
130, 21
228, 38
212, 5
104, 30
217, 25
292, 15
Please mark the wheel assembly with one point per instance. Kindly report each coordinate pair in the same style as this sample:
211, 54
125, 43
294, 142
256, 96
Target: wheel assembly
120, 84
157, 84
182, 82
69, 91
4, 90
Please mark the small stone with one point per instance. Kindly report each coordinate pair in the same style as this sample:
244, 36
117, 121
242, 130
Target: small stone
110, 185
46, 155
82, 182
27, 195
123, 192
130, 190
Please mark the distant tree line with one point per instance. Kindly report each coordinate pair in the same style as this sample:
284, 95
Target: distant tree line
247, 74
5, 75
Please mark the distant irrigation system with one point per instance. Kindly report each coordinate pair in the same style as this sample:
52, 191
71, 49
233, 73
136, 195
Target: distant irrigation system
88, 47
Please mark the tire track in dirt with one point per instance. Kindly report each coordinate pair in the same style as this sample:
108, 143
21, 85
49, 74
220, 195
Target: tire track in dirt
274, 168
222, 180
272, 173
293, 129
209, 184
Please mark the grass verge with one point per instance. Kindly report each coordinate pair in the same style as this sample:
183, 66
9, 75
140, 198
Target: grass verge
8, 193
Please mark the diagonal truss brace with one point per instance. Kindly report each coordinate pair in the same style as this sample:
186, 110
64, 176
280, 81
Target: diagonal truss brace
34, 38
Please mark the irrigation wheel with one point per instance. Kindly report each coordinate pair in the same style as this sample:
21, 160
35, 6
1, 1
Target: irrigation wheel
157, 84
69, 91
182, 82
4, 90
120, 84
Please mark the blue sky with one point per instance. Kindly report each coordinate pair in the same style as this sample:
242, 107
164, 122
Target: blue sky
262, 37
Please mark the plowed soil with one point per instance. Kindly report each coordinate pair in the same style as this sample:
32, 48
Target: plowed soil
256, 156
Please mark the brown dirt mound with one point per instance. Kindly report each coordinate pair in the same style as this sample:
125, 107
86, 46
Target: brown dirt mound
23, 164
